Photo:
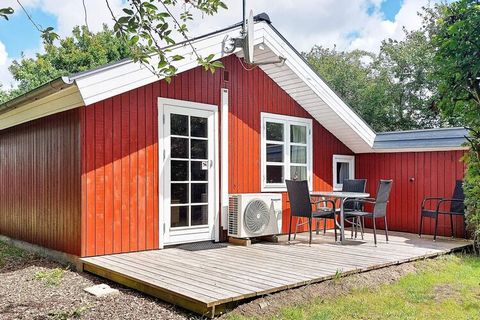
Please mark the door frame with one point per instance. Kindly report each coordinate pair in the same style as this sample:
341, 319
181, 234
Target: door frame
162, 162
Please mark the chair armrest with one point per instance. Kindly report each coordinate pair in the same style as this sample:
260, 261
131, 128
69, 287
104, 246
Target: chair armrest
447, 200
325, 201
426, 199
364, 200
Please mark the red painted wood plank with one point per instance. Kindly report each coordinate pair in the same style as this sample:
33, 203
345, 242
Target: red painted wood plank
109, 177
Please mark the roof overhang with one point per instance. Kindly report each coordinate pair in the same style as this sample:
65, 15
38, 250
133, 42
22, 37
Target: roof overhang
295, 76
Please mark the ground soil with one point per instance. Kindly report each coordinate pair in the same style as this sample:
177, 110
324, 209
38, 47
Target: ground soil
23, 295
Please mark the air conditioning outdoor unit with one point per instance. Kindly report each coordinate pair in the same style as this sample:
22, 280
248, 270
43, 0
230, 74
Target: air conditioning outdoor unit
254, 214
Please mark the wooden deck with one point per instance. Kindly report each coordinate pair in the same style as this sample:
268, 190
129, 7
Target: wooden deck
207, 278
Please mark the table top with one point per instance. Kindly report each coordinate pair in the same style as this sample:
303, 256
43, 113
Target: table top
339, 194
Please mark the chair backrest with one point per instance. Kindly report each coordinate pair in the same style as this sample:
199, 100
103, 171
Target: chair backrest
458, 207
353, 185
383, 193
300, 205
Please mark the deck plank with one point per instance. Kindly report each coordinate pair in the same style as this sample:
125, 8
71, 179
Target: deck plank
206, 281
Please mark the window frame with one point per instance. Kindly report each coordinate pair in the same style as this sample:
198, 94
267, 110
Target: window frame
350, 159
287, 121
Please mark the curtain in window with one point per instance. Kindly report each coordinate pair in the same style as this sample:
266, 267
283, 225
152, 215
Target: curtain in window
342, 171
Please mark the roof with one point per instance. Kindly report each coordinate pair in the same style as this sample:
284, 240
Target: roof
295, 76
427, 139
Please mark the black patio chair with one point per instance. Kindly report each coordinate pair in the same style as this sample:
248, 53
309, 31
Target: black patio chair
379, 208
354, 185
301, 206
457, 208
349, 185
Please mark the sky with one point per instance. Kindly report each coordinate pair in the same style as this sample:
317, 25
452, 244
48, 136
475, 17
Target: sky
347, 24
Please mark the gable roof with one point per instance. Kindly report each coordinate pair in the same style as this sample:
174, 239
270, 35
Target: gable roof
295, 76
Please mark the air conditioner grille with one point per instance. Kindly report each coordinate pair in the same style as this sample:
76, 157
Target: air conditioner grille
233, 215
256, 216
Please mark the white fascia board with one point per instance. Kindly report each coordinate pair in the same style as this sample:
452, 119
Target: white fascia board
402, 150
110, 82
296, 64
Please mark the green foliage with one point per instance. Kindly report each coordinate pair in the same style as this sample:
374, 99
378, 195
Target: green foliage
9, 252
5, 12
51, 277
149, 27
81, 51
455, 32
391, 90
75, 313
442, 288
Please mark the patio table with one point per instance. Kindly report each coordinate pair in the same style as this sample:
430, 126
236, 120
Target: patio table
342, 196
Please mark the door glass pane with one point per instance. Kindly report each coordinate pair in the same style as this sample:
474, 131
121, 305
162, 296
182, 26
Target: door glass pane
179, 124
179, 216
274, 174
298, 154
199, 193
298, 134
298, 173
179, 170
274, 152
199, 215
198, 171
199, 149
198, 127
179, 148
275, 131
343, 171
179, 193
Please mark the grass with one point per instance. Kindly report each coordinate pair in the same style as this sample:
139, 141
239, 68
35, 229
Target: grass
444, 288
68, 314
9, 252
51, 277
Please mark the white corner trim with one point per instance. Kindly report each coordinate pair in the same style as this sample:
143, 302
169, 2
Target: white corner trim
224, 157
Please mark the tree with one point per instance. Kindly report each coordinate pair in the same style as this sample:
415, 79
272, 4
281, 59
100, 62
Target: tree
81, 51
455, 32
391, 90
148, 27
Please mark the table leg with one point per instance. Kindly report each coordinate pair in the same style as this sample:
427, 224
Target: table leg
342, 221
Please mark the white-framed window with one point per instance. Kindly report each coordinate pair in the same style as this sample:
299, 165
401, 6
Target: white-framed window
286, 150
343, 168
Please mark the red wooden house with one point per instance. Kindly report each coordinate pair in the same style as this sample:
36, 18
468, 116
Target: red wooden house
116, 160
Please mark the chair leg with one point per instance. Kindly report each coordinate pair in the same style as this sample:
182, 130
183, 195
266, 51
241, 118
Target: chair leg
362, 226
436, 226
451, 225
324, 225
310, 230
421, 224
296, 229
335, 228
386, 228
353, 227
317, 226
374, 232
290, 228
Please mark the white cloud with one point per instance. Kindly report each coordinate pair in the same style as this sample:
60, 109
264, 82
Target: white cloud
6, 79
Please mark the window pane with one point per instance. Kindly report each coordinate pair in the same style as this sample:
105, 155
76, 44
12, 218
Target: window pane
179, 216
198, 173
179, 170
179, 124
179, 148
274, 153
298, 134
275, 174
198, 127
343, 171
199, 149
199, 215
199, 192
179, 193
298, 173
298, 154
275, 131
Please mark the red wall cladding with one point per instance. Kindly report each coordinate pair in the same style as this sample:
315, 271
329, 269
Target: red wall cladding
40, 182
415, 175
120, 164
